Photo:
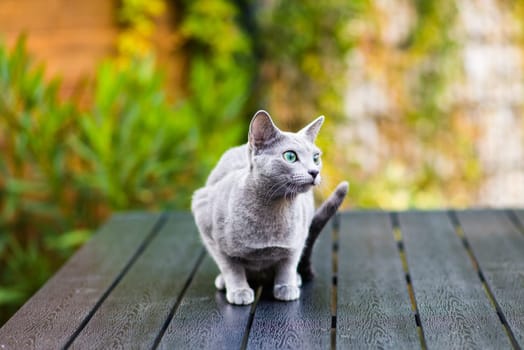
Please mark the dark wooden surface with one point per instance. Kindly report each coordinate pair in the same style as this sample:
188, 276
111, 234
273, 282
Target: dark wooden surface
447, 290
373, 306
408, 280
305, 324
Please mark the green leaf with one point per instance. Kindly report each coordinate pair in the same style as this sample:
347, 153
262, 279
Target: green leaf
11, 296
68, 240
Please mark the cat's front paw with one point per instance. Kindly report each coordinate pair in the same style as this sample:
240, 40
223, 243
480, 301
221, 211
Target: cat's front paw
243, 296
286, 292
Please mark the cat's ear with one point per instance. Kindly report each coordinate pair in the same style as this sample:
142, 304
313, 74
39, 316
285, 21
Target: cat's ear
262, 130
311, 130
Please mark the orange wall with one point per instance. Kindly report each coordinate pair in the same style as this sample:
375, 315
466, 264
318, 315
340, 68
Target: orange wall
69, 36
72, 36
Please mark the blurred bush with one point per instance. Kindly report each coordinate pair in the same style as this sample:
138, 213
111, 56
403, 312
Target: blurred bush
302, 49
35, 182
405, 141
220, 78
64, 168
138, 19
129, 144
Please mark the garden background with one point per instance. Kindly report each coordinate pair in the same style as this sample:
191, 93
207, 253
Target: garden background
127, 104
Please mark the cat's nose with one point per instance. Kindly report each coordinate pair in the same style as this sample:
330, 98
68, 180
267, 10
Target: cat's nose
313, 173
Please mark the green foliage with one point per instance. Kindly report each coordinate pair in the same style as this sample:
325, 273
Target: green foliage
138, 18
303, 45
64, 168
439, 130
208, 23
432, 52
220, 76
424, 152
29, 108
131, 141
22, 260
33, 175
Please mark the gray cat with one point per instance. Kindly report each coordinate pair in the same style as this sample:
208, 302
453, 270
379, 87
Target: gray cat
256, 211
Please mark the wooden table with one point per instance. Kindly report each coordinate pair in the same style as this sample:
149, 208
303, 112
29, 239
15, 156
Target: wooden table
407, 280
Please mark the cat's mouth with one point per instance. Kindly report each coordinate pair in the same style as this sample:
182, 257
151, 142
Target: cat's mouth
303, 184
304, 187
314, 182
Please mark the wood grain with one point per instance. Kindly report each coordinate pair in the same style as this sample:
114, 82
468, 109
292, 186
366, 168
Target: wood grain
454, 310
55, 312
301, 324
373, 303
204, 319
499, 249
133, 314
141, 276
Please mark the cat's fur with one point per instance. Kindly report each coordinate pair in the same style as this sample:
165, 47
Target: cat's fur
256, 211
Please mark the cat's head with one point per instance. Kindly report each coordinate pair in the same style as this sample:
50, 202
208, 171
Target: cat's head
288, 163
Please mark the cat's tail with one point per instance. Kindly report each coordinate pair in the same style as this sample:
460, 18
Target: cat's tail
322, 216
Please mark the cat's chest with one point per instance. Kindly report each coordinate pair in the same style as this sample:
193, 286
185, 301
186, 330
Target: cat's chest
250, 233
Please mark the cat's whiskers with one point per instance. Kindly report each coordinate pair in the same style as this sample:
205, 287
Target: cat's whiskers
275, 188
273, 185
291, 191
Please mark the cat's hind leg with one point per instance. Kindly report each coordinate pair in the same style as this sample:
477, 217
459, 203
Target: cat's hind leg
299, 280
286, 292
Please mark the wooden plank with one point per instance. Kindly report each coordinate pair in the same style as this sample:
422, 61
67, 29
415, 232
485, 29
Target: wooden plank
499, 249
454, 310
204, 319
136, 310
519, 213
373, 308
301, 324
55, 312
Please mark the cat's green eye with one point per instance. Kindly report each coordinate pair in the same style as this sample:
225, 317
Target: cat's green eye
290, 156
316, 158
